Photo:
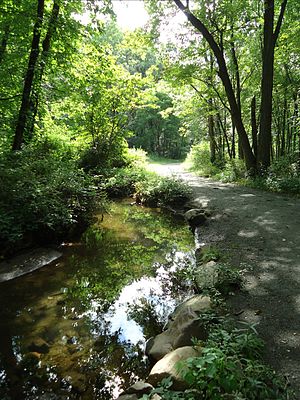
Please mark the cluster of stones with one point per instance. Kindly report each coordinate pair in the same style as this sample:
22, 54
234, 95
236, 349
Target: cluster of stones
174, 344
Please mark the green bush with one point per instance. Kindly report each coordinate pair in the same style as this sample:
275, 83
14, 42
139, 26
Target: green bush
199, 160
158, 191
121, 182
283, 176
104, 155
148, 188
229, 367
45, 194
232, 171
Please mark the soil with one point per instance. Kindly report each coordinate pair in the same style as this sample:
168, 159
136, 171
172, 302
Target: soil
259, 232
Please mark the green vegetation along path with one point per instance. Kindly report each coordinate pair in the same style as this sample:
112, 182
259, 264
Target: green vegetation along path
262, 231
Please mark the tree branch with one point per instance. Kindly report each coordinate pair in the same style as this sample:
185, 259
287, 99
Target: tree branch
10, 97
279, 22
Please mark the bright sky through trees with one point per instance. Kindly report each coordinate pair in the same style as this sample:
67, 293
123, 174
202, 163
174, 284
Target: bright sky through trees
131, 14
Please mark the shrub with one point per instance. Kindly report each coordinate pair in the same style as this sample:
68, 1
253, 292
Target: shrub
199, 159
230, 367
45, 194
233, 171
121, 182
158, 191
104, 155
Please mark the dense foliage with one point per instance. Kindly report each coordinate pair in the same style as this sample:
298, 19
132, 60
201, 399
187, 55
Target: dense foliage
45, 195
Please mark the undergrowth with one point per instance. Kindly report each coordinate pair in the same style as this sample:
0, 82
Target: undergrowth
229, 367
283, 176
147, 187
45, 195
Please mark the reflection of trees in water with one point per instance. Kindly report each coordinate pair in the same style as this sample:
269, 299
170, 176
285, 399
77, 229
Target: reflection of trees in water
144, 312
93, 275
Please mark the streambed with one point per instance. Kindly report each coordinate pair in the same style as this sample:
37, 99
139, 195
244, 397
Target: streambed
77, 328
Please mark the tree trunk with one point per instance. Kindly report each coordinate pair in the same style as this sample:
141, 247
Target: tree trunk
254, 127
223, 73
270, 38
4, 41
28, 83
211, 132
34, 100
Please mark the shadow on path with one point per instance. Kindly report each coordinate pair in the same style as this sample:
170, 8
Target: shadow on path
261, 230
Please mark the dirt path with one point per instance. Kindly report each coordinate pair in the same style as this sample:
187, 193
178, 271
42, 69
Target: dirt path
261, 230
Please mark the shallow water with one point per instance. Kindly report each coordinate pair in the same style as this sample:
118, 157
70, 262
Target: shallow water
77, 328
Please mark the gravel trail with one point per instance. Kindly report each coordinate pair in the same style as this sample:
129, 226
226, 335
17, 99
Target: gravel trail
262, 231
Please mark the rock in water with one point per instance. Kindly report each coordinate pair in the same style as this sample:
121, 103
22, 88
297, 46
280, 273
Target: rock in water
167, 367
183, 326
26, 263
195, 217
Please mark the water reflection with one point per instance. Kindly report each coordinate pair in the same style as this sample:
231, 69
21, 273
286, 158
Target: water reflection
76, 329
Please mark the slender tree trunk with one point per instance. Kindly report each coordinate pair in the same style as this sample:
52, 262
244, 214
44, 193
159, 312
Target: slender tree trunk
233, 139
254, 127
285, 141
28, 83
211, 132
35, 96
4, 41
224, 75
238, 87
270, 38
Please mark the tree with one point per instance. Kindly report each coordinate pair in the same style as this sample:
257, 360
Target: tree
28, 82
269, 42
270, 38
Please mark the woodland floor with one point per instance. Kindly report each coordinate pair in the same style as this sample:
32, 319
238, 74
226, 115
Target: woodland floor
260, 230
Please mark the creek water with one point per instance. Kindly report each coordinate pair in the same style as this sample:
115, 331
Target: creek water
77, 328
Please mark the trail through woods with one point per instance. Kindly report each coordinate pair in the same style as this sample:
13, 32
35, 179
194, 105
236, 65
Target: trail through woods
262, 231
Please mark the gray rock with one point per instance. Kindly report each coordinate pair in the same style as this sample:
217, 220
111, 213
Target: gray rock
26, 263
168, 367
183, 326
128, 397
207, 275
195, 217
139, 388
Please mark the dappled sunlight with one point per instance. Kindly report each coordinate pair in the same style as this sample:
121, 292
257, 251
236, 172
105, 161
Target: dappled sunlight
248, 234
260, 229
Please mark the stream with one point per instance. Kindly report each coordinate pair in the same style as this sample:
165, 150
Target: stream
77, 328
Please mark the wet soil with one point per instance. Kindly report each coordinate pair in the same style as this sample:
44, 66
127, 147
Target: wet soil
260, 232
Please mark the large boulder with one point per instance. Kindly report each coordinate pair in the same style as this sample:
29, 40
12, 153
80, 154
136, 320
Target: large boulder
207, 275
167, 367
184, 325
195, 217
27, 262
